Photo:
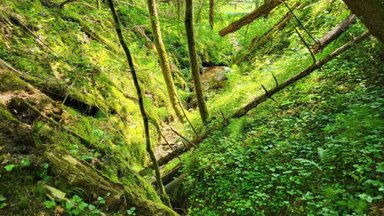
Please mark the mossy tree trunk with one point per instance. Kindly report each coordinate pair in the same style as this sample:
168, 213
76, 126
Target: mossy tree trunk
371, 13
141, 104
164, 59
193, 59
98, 2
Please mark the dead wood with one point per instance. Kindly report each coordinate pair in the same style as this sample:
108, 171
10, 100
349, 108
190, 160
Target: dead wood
257, 13
334, 33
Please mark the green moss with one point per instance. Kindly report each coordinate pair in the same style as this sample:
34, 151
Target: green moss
10, 82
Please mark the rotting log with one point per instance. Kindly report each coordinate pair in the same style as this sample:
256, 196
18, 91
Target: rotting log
56, 90
93, 182
260, 99
334, 33
173, 188
257, 13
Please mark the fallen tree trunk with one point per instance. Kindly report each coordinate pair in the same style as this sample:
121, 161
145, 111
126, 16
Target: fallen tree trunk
92, 34
334, 33
262, 10
139, 30
93, 182
257, 42
260, 99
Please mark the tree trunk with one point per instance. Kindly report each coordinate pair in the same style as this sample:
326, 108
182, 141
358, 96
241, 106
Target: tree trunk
193, 59
98, 2
211, 13
262, 10
164, 60
178, 9
334, 33
371, 13
141, 104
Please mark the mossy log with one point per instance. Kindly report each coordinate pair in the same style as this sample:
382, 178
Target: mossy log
58, 91
175, 191
93, 182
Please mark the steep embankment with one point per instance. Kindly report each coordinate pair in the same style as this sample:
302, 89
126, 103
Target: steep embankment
69, 117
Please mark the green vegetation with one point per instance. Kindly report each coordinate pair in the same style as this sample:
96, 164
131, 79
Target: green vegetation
71, 133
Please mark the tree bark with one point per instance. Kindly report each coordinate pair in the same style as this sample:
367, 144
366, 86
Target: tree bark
164, 60
262, 10
260, 99
334, 33
193, 59
211, 13
371, 13
141, 104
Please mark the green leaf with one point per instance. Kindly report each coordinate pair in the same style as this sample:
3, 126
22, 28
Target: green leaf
68, 205
2, 205
26, 162
10, 167
50, 204
82, 205
91, 207
101, 200
380, 168
2, 198
45, 166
